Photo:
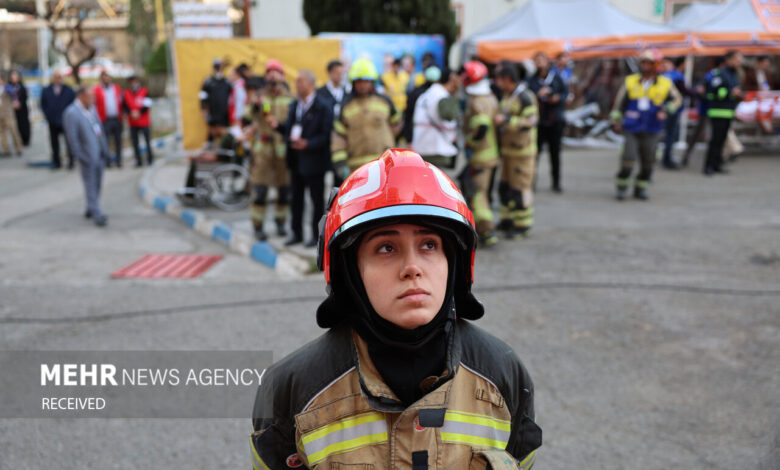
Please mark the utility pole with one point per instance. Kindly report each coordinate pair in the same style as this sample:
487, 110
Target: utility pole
160, 20
43, 42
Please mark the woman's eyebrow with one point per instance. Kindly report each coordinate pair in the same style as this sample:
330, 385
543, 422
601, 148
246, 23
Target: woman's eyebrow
382, 233
425, 231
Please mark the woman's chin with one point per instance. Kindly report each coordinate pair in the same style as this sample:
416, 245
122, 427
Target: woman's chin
412, 318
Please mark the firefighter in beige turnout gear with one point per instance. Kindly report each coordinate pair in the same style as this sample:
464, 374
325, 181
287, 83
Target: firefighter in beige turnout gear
517, 142
269, 167
383, 389
481, 149
368, 123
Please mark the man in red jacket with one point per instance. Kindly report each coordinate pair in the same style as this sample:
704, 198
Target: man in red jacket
136, 104
108, 102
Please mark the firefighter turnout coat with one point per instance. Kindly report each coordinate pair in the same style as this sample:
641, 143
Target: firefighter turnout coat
366, 128
326, 407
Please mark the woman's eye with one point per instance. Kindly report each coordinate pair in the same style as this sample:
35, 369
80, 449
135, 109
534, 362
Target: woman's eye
430, 245
385, 249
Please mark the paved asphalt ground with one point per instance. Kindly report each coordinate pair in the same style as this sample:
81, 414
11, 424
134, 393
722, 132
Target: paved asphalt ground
651, 329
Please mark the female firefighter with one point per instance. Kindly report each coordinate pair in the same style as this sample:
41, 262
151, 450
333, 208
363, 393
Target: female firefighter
401, 379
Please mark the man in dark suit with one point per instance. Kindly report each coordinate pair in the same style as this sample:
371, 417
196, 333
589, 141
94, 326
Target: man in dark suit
307, 133
54, 99
334, 92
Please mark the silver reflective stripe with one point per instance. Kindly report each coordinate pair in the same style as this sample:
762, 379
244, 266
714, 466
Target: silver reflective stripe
344, 435
471, 433
257, 462
528, 462
347, 434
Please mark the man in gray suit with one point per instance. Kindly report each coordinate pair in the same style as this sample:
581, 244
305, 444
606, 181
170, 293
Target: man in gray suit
87, 143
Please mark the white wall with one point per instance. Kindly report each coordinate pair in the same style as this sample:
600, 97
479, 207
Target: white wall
278, 19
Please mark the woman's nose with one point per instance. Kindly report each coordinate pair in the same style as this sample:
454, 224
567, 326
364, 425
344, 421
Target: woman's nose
411, 268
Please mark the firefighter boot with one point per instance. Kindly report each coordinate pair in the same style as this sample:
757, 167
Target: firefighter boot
640, 192
281, 230
488, 238
260, 234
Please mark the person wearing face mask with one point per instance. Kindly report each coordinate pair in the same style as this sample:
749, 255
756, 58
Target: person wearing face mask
269, 150
402, 379
137, 102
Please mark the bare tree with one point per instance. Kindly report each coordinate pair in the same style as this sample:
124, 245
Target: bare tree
69, 15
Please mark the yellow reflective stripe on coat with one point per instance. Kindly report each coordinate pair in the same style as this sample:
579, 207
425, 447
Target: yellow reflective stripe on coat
358, 161
344, 435
350, 110
340, 128
528, 461
257, 462
480, 120
487, 154
379, 106
339, 155
473, 429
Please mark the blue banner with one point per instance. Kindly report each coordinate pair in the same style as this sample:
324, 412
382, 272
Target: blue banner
377, 46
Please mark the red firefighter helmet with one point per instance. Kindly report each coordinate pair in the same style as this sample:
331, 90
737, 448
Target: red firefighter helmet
399, 186
473, 72
274, 64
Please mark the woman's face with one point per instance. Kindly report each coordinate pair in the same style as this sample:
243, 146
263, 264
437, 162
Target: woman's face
404, 270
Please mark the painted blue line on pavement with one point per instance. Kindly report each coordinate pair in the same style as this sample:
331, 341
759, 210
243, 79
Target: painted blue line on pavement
161, 203
221, 232
264, 253
188, 217
142, 191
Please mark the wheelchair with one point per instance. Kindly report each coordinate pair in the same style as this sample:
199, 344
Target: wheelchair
219, 177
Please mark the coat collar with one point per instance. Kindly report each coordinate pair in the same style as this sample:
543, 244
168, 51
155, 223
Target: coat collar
379, 394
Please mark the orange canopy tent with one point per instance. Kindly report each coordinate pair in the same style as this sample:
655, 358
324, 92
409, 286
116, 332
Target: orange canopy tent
750, 26
595, 29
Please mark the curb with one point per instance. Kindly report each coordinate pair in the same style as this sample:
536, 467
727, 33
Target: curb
217, 230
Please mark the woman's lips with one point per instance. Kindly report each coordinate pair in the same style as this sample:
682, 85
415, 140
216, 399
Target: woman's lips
414, 295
